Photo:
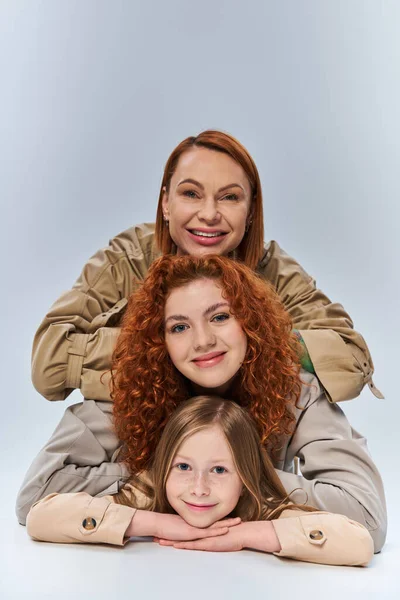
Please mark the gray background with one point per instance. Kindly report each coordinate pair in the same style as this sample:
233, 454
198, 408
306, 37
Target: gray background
94, 95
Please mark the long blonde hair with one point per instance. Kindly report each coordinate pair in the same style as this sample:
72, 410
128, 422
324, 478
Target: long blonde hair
264, 496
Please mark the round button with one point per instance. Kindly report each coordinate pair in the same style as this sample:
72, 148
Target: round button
89, 523
315, 534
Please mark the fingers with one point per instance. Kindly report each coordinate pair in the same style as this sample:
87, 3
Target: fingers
197, 545
211, 532
164, 542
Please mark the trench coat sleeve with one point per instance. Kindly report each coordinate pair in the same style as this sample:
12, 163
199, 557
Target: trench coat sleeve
73, 346
79, 457
61, 518
338, 474
322, 537
339, 354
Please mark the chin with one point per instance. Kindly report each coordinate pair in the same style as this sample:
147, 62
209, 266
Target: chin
212, 383
201, 522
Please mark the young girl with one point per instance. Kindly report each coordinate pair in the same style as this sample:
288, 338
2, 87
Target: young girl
209, 326
208, 466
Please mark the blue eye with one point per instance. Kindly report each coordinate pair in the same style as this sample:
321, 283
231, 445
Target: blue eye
182, 467
220, 318
231, 197
178, 328
219, 470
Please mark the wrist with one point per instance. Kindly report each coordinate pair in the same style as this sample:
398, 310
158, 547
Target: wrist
260, 535
143, 524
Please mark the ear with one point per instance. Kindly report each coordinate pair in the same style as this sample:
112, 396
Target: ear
250, 215
164, 203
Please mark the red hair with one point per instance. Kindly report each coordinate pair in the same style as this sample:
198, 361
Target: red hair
146, 386
250, 249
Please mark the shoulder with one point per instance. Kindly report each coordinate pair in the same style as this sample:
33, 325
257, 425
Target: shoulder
131, 251
277, 266
136, 242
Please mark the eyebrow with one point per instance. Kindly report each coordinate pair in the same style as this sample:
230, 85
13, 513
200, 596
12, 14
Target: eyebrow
209, 310
200, 185
213, 460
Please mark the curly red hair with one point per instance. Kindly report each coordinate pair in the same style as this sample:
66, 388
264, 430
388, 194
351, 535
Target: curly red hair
145, 385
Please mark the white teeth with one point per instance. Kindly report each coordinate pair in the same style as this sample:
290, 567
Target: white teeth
204, 234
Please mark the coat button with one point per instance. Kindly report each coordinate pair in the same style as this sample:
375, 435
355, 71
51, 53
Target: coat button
89, 523
315, 534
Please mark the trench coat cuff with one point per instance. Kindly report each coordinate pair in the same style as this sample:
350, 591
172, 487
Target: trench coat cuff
106, 527
324, 538
295, 541
340, 372
76, 355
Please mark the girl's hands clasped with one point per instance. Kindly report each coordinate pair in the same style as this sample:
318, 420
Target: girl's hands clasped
173, 527
256, 535
232, 541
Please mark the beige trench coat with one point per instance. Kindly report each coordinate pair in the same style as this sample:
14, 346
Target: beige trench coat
74, 343
318, 537
338, 474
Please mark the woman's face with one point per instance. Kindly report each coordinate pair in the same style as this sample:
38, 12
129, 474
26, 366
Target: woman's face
203, 485
204, 341
208, 203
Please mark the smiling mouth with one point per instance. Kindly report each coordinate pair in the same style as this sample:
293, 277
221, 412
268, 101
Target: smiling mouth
207, 234
199, 507
209, 360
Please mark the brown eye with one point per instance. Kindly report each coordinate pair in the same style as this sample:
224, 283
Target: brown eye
190, 194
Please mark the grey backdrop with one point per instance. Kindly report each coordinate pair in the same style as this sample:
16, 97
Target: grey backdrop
94, 95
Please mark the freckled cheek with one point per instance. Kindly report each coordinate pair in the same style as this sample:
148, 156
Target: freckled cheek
177, 485
233, 494
177, 348
236, 338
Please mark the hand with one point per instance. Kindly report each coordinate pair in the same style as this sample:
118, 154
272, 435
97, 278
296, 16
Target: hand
255, 535
173, 527
232, 541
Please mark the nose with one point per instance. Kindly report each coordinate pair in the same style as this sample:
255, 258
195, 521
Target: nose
208, 211
200, 485
203, 338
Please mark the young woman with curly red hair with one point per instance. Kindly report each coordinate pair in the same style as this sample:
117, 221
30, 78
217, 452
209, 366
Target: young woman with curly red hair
208, 325
267, 382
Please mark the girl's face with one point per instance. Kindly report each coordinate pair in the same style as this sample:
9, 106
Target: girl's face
208, 203
203, 485
204, 341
